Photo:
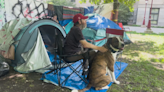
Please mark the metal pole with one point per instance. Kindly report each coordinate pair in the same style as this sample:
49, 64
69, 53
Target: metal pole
149, 23
145, 12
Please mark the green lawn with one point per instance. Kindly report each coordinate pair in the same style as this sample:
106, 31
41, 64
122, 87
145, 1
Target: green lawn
145, 71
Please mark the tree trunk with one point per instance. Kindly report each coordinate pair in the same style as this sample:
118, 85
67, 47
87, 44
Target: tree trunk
115, 11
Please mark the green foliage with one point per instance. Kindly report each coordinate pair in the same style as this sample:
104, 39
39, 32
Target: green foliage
61, 2
128, 3
124, 13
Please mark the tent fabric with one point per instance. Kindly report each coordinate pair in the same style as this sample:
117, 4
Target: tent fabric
10, 53
29, 38
64, 12
59, 12
31, 62
88, 10
10, 30
25, 44
69, 12
89, 32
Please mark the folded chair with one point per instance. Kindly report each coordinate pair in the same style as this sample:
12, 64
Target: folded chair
60, 62
115, 33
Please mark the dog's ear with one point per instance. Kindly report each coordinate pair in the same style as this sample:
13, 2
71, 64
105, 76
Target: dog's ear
109, 41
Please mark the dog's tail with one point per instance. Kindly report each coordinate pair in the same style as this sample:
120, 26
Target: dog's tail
83, 90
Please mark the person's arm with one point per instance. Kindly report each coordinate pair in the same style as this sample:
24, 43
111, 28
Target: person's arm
86, 44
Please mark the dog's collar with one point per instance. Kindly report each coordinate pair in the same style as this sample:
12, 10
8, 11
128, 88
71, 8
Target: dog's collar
110, 47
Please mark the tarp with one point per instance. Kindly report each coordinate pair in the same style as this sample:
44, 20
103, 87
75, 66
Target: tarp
88, 10
105, 10
74, 82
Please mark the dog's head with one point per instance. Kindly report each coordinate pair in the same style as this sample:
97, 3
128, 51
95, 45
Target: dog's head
115, 43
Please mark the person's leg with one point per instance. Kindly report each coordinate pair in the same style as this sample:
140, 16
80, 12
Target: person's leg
74, 58
86, 55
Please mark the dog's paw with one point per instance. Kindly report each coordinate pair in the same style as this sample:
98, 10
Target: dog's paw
117, 82
106, 87
74, 90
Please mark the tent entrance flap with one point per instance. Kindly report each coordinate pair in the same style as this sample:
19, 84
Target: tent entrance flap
27, 39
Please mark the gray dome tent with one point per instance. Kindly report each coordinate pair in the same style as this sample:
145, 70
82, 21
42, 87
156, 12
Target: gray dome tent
30, 51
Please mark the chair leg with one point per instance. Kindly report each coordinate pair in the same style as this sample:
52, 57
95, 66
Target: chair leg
81, 66
74, 71
120, 61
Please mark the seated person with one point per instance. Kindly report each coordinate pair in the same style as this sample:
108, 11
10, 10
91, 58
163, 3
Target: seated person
75, 40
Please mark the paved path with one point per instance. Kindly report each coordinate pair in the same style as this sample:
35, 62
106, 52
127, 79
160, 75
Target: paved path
141, 30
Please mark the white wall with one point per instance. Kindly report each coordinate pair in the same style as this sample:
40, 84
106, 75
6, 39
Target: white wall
8, 9
161, 17
141, 11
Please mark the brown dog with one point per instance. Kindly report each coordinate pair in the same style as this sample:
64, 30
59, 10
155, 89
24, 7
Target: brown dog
102, 64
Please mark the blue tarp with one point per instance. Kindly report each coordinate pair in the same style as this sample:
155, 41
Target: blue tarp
74, 82
96, 22
88, 10
64, 22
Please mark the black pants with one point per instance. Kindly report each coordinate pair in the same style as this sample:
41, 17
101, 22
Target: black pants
86, 55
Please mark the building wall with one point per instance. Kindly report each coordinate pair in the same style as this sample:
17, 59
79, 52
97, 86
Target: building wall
141, 11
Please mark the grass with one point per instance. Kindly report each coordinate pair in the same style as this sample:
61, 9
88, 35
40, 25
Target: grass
145, 58
140, 26
134, 32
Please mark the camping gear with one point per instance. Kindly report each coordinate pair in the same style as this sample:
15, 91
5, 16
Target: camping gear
29, 42
98, 25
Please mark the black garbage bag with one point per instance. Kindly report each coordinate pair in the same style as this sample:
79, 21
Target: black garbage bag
4, 68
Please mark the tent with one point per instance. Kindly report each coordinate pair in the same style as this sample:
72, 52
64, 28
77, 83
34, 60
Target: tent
28, 39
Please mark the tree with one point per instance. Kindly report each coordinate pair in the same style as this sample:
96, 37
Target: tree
61, 2
128, 3
124, 13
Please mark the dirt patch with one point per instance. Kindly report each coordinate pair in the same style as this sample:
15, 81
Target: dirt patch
158, 65
16, 82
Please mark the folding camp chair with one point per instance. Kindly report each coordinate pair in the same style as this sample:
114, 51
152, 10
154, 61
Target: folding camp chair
58, 52
115, 33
